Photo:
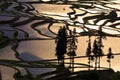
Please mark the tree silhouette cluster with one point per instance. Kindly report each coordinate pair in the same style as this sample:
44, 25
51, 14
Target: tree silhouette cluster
96, 50
88, 53
72, 47
109, 56
61, 42
66, 43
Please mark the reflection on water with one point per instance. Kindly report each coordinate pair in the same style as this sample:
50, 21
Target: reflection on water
44, 49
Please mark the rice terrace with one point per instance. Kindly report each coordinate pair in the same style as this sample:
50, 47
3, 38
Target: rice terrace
59, 39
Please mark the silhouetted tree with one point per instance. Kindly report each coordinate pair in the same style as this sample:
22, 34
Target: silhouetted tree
72, 47
100, 54
88, 52
100, 45
61, 42
110, 56
95, 52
